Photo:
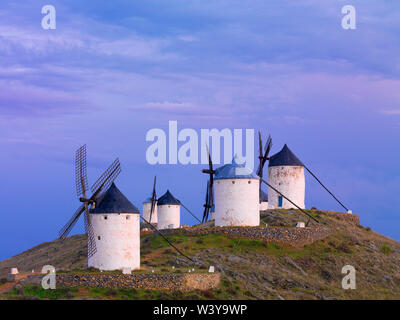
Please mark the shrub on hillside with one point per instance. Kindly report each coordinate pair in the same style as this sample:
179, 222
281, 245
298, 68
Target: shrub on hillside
208, 294
386, 249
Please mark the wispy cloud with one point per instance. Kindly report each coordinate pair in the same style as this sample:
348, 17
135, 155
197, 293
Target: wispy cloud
391, 112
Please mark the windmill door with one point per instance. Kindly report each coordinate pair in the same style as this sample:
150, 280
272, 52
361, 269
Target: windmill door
280, 201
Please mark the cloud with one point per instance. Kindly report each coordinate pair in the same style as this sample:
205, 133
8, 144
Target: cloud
187, 38
391, 112
249, 63
36, 41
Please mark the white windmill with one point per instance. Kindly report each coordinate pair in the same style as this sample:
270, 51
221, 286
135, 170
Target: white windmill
111, 221
116, 227
235, 189
286, 174
169, 212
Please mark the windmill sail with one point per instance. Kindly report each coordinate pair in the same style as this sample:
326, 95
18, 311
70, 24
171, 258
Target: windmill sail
153, 198
209, 193
81, 181
98, 189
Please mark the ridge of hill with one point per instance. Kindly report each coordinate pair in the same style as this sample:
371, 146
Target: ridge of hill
250, 269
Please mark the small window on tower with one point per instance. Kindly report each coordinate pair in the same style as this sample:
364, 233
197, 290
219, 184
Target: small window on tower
249, 181
233, 182
127, 217
105, 217
98, 238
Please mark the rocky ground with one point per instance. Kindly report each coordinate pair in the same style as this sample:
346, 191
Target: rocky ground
250, 269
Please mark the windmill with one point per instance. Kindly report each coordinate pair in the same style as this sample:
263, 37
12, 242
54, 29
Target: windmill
263, 155
209, 193
98, 189
153, 201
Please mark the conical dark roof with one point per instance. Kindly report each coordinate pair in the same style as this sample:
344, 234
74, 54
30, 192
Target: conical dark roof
167, 198
263, 196
114, 201
285, 157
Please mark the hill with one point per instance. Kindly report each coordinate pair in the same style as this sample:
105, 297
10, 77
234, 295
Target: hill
250, 269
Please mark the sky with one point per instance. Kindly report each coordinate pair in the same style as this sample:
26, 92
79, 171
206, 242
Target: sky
113, 70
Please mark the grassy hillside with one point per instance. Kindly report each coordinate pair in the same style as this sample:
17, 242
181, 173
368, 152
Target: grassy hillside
250, 269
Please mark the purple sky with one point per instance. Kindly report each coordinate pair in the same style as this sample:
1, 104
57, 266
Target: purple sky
112, 70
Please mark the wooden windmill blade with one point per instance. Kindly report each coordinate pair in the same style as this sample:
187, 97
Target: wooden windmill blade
210, 201
267, 148
81, 181
99, 188
263, 156
71, 223
260, 155
81, 185
106, 179
211, 197
210, 171
206, 204
210, 166
92, 249
153, 198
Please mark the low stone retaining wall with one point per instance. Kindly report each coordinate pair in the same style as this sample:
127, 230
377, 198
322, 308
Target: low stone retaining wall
176, 282
296, 237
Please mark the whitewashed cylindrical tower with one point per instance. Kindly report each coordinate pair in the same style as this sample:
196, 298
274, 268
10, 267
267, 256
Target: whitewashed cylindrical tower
146, 209
263, 201
169, 212
116, 228
236, 192
286, 174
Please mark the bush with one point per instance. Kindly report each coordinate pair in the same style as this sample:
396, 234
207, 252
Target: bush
164, 296
386, 249
177, 295
248, 293
208, 294
111, 292
344, 247
192, 297
232, 291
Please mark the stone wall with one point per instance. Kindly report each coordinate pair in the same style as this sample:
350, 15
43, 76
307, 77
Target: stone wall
348, 217
296, 237
176, 282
